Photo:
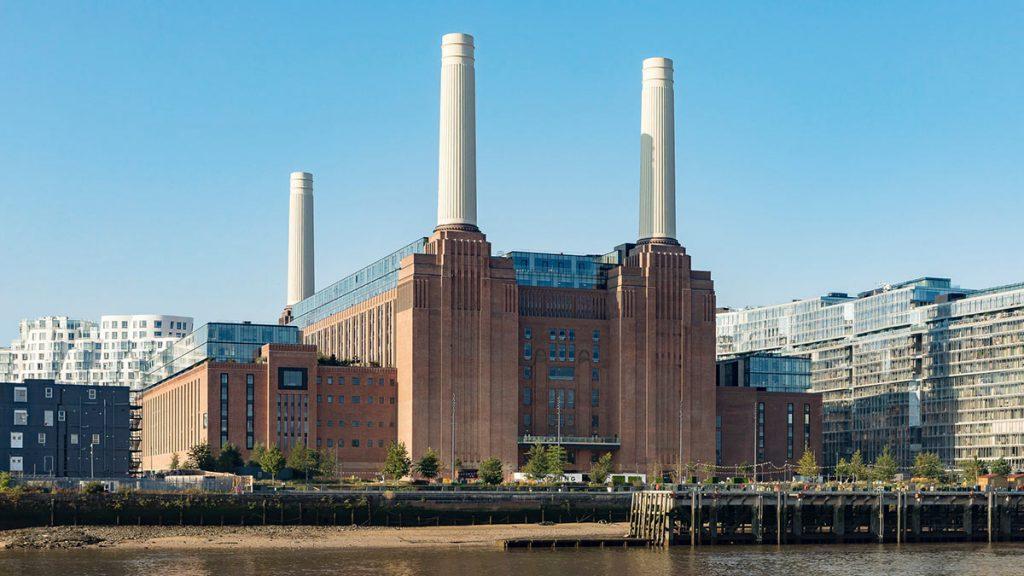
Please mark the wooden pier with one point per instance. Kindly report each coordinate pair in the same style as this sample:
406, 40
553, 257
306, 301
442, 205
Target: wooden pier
708, 517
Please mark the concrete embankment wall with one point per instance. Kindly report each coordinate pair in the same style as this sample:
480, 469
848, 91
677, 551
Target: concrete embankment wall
340, 508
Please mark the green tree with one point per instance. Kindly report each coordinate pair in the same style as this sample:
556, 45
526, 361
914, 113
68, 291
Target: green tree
885, 466
927, 465
271, 461
857, 469
326, 464
397, 463
536, 462
491, 472
302, 460
557, 459
175, 461
842, 469
5, 481
807, 466
972, 469
600, 470
256, 454
229, 458
1001, 467
429, 465
200, 456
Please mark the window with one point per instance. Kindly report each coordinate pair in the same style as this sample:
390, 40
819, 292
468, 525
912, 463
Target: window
355, 443
355, 382
292, 378
553, 352
20, 394
48, 418
527, 333
551, 397
561, 334
392, 400
760, 431
572, 352
572, 398
595, 375
42, 438
594, 421
341, 399
595, 398
330, 399
223, 409
355, 399
48, 392
561, 352
789, 431
330, 380
330, 443
92, 394
61, 416
572, 335
597, 335
17, 464
369, 399
527, 351
527, 396
21, 417
551, 334
597, 353
17, 440
807, 426
74, 439
95, 438
527, 421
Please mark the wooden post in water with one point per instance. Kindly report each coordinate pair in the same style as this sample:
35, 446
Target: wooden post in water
881, 517
779, 508
992, 527
756, 523
693, 517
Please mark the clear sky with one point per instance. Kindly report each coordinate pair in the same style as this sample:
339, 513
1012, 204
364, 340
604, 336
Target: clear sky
145, 147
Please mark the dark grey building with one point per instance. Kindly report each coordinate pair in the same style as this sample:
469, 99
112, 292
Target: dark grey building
65, 429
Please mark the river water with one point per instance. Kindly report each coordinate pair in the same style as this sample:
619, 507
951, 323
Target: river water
842, 560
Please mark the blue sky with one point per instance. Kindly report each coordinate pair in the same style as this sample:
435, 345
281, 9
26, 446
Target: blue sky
145, 147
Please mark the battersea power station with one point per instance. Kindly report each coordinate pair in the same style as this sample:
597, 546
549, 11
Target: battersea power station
481, 355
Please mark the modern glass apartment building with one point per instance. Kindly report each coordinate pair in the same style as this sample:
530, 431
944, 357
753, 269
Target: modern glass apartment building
920, 365
218, 341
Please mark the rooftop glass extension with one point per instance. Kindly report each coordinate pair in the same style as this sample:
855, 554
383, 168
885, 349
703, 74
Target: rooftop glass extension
563, 270
355, 288
219, 341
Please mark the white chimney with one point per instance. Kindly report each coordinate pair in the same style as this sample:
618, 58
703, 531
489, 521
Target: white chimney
456, 179
657, 153
300, 237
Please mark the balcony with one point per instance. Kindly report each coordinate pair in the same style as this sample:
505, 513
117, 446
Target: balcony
605, 441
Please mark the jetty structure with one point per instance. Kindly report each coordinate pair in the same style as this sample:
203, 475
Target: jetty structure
700, 517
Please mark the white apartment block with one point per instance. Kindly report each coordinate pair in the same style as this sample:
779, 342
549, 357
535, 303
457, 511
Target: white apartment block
104, 353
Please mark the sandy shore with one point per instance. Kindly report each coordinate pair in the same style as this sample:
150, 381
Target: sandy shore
217, 537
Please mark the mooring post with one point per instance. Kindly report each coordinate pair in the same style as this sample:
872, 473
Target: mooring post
969, 519
693, 517
758, 519
881, 516
798, 518
915, 519
992, 527
779, 509
839, 518
899, 517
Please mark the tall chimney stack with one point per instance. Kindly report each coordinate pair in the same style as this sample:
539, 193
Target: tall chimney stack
300, 237
456, 179
657, 154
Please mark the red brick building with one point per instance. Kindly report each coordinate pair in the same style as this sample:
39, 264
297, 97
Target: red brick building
283, 398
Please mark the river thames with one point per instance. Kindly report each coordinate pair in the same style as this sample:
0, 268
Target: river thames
839, 560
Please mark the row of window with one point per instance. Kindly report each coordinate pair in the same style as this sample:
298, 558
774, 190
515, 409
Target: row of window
18, 439
353, 423
21, 393
560, 334
341, 443
355, 381
352, 399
